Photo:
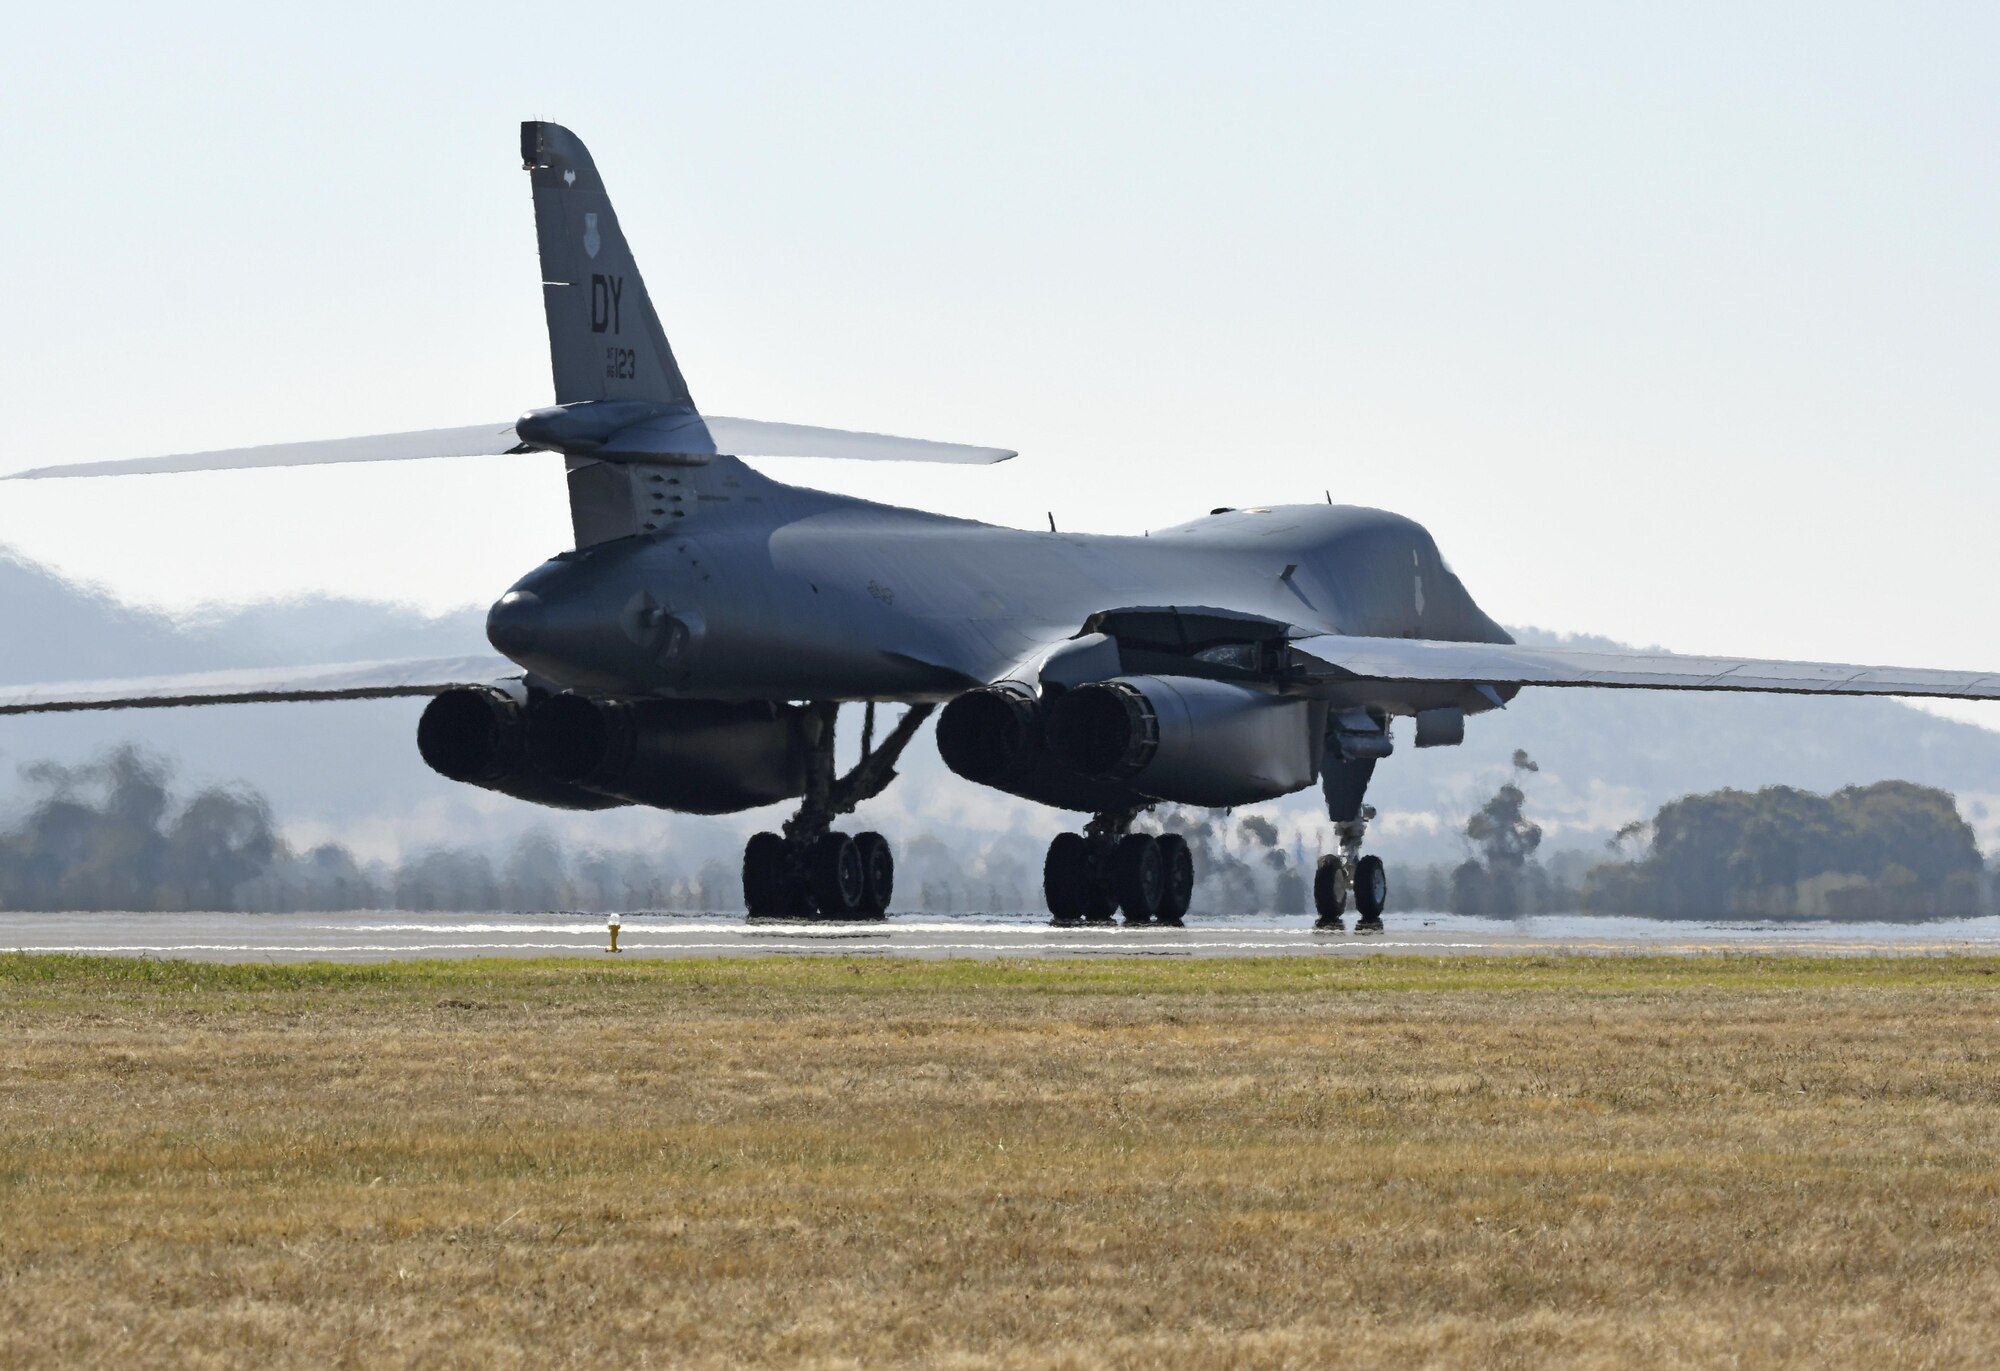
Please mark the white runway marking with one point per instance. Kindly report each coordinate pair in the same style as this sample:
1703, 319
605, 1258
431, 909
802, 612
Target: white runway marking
374, 935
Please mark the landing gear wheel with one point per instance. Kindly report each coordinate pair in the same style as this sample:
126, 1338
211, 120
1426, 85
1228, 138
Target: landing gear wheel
1066, 876
1100, 901
1371, 890
1177, 883
878, 874
1138, 877
834, 871
1330, 891
765, 879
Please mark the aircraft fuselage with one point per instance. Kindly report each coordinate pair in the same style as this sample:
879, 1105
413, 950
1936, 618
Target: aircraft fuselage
755, 589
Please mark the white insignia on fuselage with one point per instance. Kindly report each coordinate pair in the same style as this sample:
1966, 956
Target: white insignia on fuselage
569, 176
591, 242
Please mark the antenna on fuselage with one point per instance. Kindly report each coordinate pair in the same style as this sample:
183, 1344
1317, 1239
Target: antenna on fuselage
1052, 521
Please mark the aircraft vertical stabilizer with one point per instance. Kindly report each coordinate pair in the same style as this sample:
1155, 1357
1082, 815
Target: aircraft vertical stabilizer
605, 341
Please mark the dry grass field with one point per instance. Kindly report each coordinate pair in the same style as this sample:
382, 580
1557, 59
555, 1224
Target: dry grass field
1552, 1162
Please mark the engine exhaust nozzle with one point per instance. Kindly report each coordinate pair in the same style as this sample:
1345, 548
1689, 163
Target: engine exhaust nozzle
1107, 730
991, 735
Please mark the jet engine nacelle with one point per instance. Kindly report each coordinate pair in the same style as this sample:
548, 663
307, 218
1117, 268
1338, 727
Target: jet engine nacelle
1189, 740
476, 734
697, 756
994, 736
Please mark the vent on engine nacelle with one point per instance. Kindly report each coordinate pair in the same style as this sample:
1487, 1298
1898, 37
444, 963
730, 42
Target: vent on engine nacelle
1176, 640
1185, 629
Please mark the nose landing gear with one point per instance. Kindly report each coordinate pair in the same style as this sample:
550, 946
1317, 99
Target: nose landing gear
810, 870
1349, 872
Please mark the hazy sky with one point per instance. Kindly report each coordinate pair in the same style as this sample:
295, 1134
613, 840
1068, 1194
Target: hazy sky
1676, 323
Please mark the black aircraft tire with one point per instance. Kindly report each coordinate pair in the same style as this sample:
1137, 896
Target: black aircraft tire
1100, 901
1065, 873
1177, 887
764, 877
878, 874
835, 876
1138, 877
1330, 889
1371, 889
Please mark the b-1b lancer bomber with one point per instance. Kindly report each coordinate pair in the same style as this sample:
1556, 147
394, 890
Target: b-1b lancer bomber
694, 648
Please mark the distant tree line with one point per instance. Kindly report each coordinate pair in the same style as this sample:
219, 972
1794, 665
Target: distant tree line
111, 835
1889, 850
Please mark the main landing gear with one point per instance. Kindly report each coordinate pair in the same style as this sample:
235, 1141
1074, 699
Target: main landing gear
1107, 869
810, 870
1349, 872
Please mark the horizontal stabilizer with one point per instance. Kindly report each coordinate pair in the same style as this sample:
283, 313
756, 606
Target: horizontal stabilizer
699, 436
476, 440
339, 681
1334, 657
671, 440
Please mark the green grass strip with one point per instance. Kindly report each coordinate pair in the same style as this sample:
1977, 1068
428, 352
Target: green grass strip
1111, 976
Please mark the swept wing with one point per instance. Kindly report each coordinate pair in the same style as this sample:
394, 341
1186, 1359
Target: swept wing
473, 440
1332, 657
339, 681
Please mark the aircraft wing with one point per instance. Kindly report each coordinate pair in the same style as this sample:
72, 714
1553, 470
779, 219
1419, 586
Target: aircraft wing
1332, 657
340, 681
475, 440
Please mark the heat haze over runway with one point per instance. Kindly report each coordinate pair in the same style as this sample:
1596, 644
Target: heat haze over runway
387, 936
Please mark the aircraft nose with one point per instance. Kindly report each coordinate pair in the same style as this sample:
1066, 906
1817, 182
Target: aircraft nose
514, 624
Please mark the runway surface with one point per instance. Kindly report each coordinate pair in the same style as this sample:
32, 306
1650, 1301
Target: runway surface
378, 936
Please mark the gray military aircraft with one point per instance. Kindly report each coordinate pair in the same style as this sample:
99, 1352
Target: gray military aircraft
692, 651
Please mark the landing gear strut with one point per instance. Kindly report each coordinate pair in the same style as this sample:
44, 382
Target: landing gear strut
1107, 869
1344, 778
810, 870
